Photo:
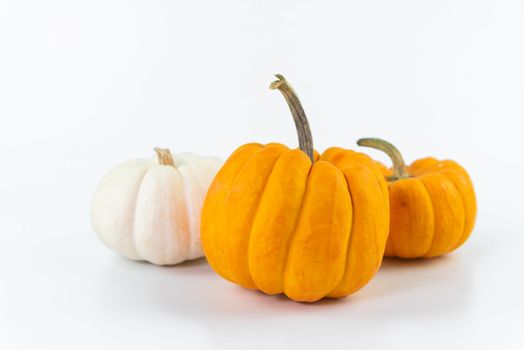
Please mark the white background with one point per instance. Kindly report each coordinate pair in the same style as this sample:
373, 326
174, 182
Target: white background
88, 84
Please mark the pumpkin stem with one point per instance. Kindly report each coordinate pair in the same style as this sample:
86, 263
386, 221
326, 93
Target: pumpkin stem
399, 167
164, 156
305, 139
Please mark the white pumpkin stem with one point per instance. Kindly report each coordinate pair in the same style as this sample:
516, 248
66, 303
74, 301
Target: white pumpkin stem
164, 156
305, 139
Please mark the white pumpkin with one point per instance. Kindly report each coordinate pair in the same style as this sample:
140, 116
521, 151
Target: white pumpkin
149, 209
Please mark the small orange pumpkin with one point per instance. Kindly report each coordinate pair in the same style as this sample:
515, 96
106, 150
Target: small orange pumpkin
290, 221
432, 204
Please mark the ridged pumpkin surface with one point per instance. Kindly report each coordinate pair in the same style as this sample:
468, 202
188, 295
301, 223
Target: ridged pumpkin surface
432, 205
433, 212
274, 221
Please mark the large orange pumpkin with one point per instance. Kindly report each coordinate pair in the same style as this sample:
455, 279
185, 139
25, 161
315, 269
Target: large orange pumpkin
432, 203
284, 220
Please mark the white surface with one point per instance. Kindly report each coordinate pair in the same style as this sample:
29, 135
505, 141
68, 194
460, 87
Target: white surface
146, 211
86, 85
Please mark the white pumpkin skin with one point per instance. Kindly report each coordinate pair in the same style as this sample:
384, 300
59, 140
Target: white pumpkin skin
144, 210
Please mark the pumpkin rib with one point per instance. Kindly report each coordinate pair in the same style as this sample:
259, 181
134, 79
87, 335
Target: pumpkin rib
422, 166
186, 215
411, 207
336, 156
444, 201
210, 227
192, 175
465, 231
170, 246
379, 180
307, 278
106, 193
134, 210
294, 231
330, 154
339, 290
228, 192
385, 191
464, 186
272, 230
183, 219
241, 205
369, 231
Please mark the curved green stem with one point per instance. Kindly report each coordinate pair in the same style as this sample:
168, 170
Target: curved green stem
305, 139
399, 167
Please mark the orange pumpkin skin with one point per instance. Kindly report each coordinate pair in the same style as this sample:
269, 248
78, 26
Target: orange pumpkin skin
273, 221
432, 208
